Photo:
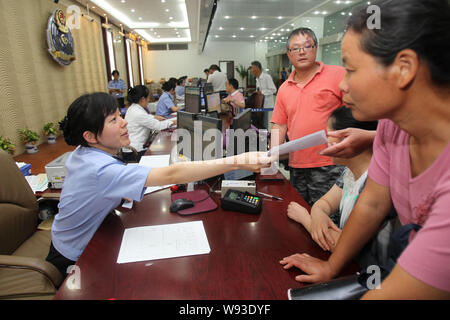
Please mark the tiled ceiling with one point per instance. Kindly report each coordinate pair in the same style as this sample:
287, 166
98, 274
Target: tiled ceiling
249, 20
162, 21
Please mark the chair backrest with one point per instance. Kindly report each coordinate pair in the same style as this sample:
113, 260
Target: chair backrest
18, 206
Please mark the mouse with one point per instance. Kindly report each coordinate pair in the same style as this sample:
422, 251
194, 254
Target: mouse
181, 204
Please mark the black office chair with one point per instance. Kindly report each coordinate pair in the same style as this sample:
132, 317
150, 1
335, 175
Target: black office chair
256, 101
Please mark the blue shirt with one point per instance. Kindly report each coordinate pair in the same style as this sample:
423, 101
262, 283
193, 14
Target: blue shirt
119, 84
179, 90
165, 103
95, 184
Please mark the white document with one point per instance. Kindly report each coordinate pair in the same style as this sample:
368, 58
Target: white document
38, 183
163, 242
155, 161
159, 161
312, 140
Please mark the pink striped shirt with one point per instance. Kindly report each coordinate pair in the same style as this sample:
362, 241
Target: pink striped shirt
424, 200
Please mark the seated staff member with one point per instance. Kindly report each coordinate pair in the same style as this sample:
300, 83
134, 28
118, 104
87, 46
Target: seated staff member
180, 88
96, 181
140, 121
393, 78
235, 98
166, 105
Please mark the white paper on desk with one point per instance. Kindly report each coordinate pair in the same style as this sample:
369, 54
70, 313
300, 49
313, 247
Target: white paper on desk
38, 183
312, 140
159, 161
163, 242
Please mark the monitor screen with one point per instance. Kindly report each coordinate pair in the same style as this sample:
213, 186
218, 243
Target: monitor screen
212, 142
213, 102
192, 99
243, 120
208, 88
185, 140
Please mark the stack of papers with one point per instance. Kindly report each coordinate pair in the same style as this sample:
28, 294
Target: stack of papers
38, 183
163, 242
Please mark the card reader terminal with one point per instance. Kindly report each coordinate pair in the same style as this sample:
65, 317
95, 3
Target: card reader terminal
235, 200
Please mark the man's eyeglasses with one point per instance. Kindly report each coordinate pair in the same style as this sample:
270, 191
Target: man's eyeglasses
305, 48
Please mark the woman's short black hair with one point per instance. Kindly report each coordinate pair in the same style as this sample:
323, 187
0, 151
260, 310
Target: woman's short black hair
168, 85
135, 94
422, 26
233, 82
342, 118
87, 113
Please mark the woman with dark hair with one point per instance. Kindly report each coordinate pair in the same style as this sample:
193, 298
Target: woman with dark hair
166, 104
141, 122
96, 181
400, 73
341, 198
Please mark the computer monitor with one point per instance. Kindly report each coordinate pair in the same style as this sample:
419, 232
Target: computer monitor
212, 142
192, 99
213, 102
243, 120
208, 88
185, 139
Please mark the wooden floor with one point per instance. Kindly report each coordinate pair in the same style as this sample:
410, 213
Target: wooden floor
47, 153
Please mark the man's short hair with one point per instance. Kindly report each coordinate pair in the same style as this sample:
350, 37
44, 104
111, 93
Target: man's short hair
234, 83
215, 67
115, 72
257, 64
304, 32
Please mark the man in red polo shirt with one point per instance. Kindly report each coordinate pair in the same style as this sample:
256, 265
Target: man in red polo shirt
304, 103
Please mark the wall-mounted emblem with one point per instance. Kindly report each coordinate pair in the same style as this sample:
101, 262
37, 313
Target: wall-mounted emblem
59, 39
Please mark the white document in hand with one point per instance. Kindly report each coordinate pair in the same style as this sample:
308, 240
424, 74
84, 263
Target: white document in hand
312, 140
163, 242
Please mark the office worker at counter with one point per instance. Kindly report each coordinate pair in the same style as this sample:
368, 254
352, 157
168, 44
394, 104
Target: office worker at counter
117, 88
166, 105
264, 84
180, 88
217, 78
97, 181
140, 121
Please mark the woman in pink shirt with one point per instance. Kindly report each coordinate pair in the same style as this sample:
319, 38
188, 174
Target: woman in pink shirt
398, 70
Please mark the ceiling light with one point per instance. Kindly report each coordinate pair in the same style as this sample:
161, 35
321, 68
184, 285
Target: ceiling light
252, 36
316, 12
241, 28
253, 17
292, 24
167, 10
282, 30
140, 18
324, 12
227, 17
220, 28
170, 18
132, 10
123, 1
262, 29
216, 36
280, 17
163, 1
288, 30
234, 36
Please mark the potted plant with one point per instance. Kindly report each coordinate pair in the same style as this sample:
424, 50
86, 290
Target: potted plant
29, 138
7, 145
243, 72
50, 132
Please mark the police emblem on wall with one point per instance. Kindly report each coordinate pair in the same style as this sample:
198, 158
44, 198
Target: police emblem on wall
59, 39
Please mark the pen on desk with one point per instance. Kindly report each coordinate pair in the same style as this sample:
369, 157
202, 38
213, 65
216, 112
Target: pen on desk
270, 196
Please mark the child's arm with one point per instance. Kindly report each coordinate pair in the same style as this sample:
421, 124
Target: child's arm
185, 172
320, 217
